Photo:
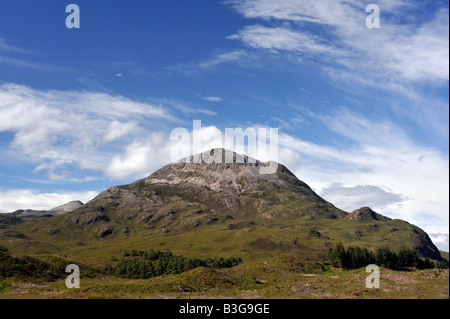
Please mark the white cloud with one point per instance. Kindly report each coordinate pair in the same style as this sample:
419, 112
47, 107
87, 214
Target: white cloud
351, 198
194, 110
213, 99
212, 62
7, 49
57, 129
10, 48
407, 52
14, 199
441, 241
13, 55
182, 106
17, 62
223, 58
62, 131
140, 158
325, 11
117, 129
282, 39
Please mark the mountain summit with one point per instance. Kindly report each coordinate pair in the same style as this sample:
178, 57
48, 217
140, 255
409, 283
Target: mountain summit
235, 186
204, 205
216, 169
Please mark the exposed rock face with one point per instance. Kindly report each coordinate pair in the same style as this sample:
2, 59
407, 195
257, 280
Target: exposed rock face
68, 207
208, 178
366, 214
26, 214
211, 170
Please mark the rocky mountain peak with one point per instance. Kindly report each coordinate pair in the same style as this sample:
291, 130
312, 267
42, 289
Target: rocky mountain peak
217, 170
67, 207
366, 214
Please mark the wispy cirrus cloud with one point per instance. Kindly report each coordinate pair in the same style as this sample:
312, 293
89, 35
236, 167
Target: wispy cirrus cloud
9, 54
282, 39
18, 62
222, 58
212, 98
211, 63
406, 52
62, 129
186, 108
6, 47
19, 57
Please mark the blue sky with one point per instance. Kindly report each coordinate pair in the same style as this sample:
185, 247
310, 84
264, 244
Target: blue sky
362, 114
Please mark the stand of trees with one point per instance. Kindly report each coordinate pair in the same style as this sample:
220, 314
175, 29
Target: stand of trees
356, 257
153, 263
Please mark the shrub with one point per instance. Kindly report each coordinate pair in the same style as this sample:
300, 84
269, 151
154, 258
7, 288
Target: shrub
4, 249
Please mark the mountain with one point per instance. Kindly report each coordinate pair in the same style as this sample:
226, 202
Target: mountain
366, 214
26, 214
213, 209
21, 215
8, 220
68, 207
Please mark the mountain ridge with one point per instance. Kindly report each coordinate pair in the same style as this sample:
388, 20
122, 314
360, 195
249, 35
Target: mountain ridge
222, 207
21, 215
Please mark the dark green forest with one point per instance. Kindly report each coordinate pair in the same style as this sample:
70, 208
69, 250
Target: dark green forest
356, 257
153, 263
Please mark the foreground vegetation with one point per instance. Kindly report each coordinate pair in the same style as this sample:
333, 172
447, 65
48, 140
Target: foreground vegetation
44, 268
283, 276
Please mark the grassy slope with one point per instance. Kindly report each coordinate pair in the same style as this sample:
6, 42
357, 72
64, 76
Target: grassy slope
302, 237
281, 277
